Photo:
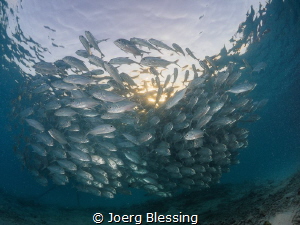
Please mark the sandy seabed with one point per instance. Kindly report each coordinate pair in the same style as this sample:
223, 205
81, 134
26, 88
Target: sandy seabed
267, 203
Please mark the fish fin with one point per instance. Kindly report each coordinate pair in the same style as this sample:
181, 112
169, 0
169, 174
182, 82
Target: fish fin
145, 52
98, 41
176, 61
159, 51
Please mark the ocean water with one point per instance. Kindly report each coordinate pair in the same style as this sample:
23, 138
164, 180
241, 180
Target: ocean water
244, 34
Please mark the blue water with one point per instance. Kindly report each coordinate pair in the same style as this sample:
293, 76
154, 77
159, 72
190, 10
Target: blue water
273, 151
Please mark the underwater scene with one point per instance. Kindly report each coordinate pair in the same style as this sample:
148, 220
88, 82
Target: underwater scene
150, 112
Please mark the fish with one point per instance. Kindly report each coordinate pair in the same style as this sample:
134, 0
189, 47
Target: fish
79, 155
175, 74
79, 79
67, 165
167, 81
65, 112
58, 136
175, 99
74, 62
92, 40
129, 47
143, 42
156, 62
44, 138
211, 62
53, 105
85, 44
259, 67
190, 53
102, 129
84, 103
114, 73
121, 106
82, 53
186, 76
35, 124
193, 134
126, 78
27, 112
107, 96
178, 48
203, 65
38, 149
240, 88
105, 128
42, 88
160, 44
122, 60
96, 60
63, 85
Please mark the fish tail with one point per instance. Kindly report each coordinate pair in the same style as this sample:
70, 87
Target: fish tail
145, 52
176, 62
159, 51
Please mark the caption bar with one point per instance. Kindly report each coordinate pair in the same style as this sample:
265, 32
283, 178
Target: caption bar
150, 218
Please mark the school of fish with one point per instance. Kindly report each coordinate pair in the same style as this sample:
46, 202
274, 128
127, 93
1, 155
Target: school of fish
105, 131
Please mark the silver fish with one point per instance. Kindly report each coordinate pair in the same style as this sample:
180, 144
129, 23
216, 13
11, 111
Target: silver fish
58, 136
53, 105
113, 72
102, 129
96, 60
175, 75
167, 81
85, 44
93, 42
35, 124
143, 42
42, 88
129, 47
156, 62
178, 48
120, 107
160, 44
122, 60
67, 165
259, 67
74, 62
82, 53
38, 149
77, 154
65, 112
45, 139
190, 53
62, 85
81, 103
193, 134
78, 79
186, 76
240, 88
107, 96
175, 99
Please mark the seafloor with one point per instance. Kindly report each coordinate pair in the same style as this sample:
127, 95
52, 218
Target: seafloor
275, 203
